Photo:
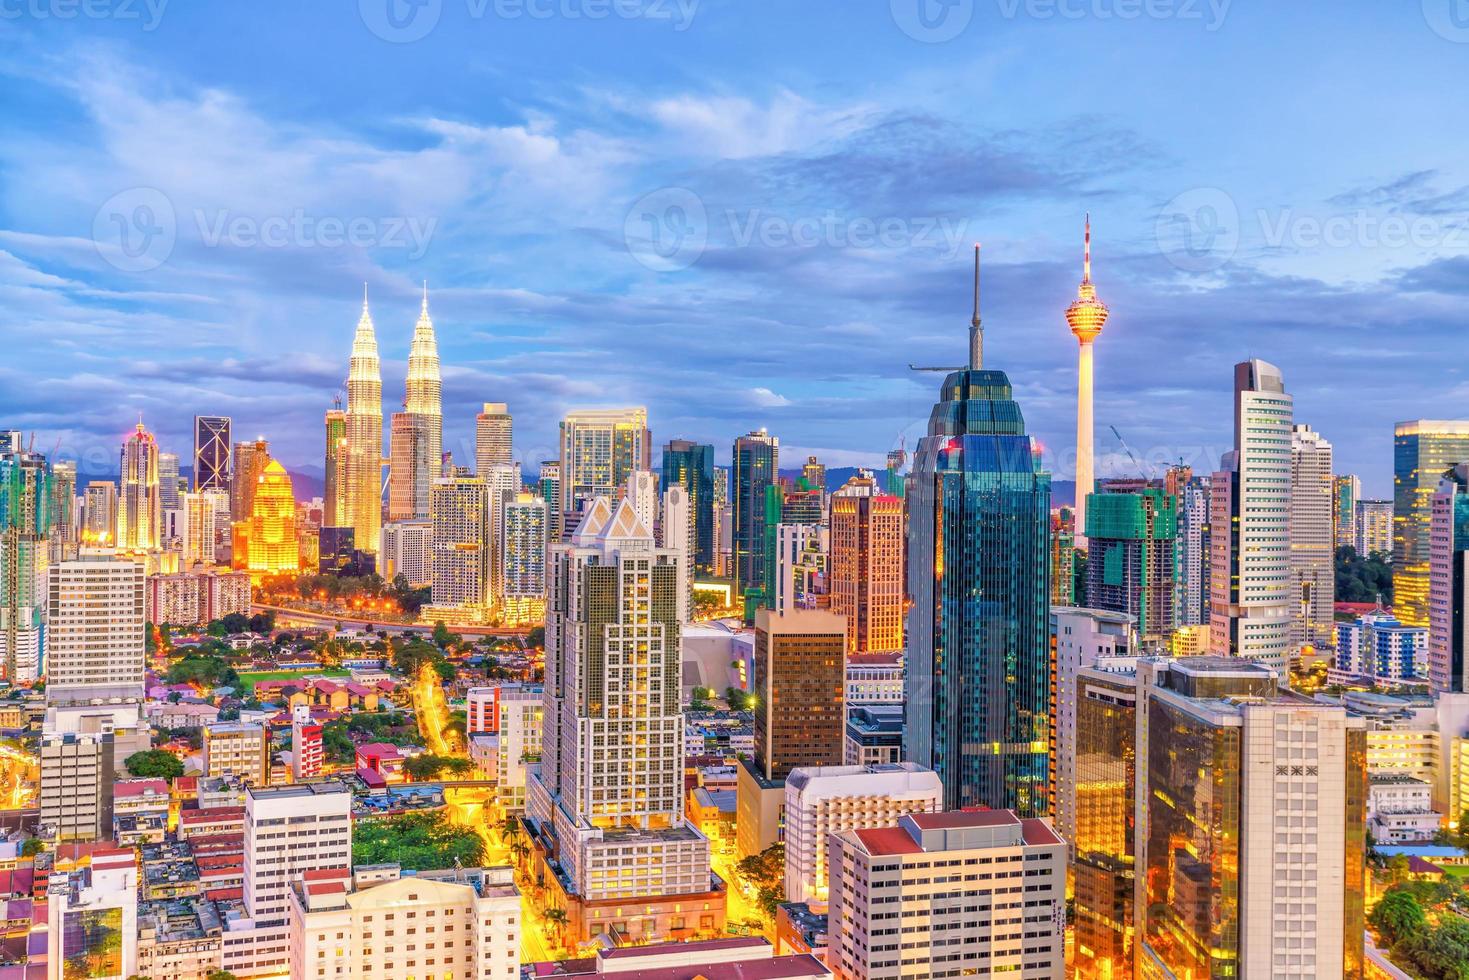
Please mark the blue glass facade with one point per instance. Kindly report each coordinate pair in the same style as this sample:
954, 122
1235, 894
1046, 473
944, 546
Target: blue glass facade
978, 672
691, 465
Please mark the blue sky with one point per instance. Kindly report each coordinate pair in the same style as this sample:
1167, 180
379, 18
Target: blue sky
736, 213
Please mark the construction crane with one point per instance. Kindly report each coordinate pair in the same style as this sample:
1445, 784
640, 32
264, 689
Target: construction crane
1145, 473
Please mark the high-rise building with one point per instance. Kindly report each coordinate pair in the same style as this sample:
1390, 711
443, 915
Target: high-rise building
364, 476
599, 448
548, 485
249, 462
1423, 452
866, 569
1312, 540
691, 465
796, 548
800, 690
1250, 568
334, 468
200, 539
1085, 316
168, 481
91, 917
1378, 647
27, 522
1346, 491
979, 574
523, 559
1063, 557
411, 469
94, 642
825, 800
519, 709
76, 785
608, 796
423, 398
307, 753
99, 506
461, 549
1132, 534
502, 484
266, 543
1448, 583
755, 469
1374, 528
1194, 532
211, 452
139, 510
1008, 919
407, 550
64, 516
493, 437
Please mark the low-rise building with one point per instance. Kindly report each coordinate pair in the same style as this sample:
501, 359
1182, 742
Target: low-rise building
237, 748
1400, 809
76, 785
874, 735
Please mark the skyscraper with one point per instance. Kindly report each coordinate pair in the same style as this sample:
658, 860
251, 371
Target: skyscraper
523, 559
461, 549
420, 426
691, 465
608, 796
1194, 532
139, 510
979, 573
364, 436
168, 481
1374, 528
599, 448
1448, 583
1346, 491
1312, 539
94, 645
100, 517
211, 452
1085, 316
269, 536
334, 468
756, 465
492, 437
866, 578
27, 520
548, 482
249, 461
1423, 451
1131, 563
1250, 605
814, 473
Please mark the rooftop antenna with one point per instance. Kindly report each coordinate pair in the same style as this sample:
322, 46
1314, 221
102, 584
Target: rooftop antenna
976, 332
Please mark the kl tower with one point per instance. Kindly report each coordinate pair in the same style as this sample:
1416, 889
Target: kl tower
1085, 316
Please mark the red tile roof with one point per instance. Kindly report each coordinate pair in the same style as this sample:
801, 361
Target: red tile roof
964, 818
881, 841
1038, 832
140, 787
326, 874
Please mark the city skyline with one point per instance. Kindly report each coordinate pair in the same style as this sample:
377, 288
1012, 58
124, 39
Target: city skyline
565, 163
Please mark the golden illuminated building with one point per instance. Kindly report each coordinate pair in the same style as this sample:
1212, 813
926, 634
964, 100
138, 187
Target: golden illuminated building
1086, 316
139, 508
267, 544
866, 579
364, 433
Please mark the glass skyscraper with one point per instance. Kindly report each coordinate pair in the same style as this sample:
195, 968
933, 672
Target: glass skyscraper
691, 465
1423, 453
756, 464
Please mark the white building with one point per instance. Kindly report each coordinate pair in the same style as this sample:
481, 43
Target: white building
457, 925
826, 800
1374, 528
237, 748
1400, 810
519, 721
1312, 540
492, 437
1250, 569
94, 641
1378, 646
792, 541
76, 785
407, 550
962, 891
874, 678
461, 550
92, 917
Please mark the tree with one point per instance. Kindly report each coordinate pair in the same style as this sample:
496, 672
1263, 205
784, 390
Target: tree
1397, 868
154, 764
442, 637
262, 622
1398, 916
536, 637
32, 847
220, 975
1360, 579
738, 700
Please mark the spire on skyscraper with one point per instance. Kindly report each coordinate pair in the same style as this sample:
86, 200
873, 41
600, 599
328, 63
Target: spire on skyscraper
976, 331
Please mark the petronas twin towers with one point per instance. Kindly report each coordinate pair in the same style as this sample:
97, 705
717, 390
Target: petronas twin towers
417, 431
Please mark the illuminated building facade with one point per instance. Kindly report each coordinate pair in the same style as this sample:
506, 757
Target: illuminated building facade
1085, 316
27, 509
1063, 557
139, 508
598, 451
412, 469
1423, 452
364, 425
1374, 528
1346, 491
99, 513
691, 465
523, 559
493, 437
548, 485
407, 550
755, 469
249, 461
979, 574
335, 461
1312, 540
269, 536
866, 566
1194, 566
211, 452
1448, 583
461, 550
1132, 536
168, 481
94, 643
423, 397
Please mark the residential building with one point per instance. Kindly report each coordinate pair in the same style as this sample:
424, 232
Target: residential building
866, 579
77, 784
307, 753
407, 550
519, 712
94, 644
1063, 557
1194, 532
1346, 492
99, 506
523, 539
599, 448
493, 438
1312, 540
1378, 647
1375, 528
1423, 452
461, 550
237, 748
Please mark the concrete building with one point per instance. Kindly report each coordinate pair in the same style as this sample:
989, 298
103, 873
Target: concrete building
826, 800
1194, 532
237, 748
493, 437
76, 785
1374, 528
518, 722
524, 529
599, 448
307, 755
874, 735
94, 645
407, 550
866, 579
92, 917
900, 906
1378, 647
461, 551
1346, 491
1132, 536
197, 597
1312, 540
1400, 809
1448, 583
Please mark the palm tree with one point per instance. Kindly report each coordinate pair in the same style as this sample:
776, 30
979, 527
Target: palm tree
557, 918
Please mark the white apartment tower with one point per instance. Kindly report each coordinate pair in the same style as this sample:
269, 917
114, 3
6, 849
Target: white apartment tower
492, 437
461, 552
94, 644
1312, 540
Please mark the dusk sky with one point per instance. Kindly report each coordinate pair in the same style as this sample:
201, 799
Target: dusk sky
738, 214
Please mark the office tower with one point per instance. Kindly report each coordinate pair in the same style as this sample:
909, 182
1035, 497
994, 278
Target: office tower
344, 925
90, 918
548, 485
290, 832
211, 452
266, 543
364, 473
492, 437
676, 532
612, 681
1375, 528
65, 519
866, 578
76, 785
1312, 540
99, 505
1063, 557
519, 709
1423, 451
523, 559
94, 642
237, 748
691, 465
979, 570
1085, 316
1271, 885
796, 548
168, 481
1250, 568
27, 519
893, 474
1377, 647
249, 462
1081, 638
407, 550
825, 800
306, 744
199, 525
1131, 559
139, 514
641, 490
1448, 583
756, 465
800, 690
1346, 491
423, 399
795, 520
502, 484
959, 922
461, 547
599, 448
1193, 552
410, 468
814, 473
334, 469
